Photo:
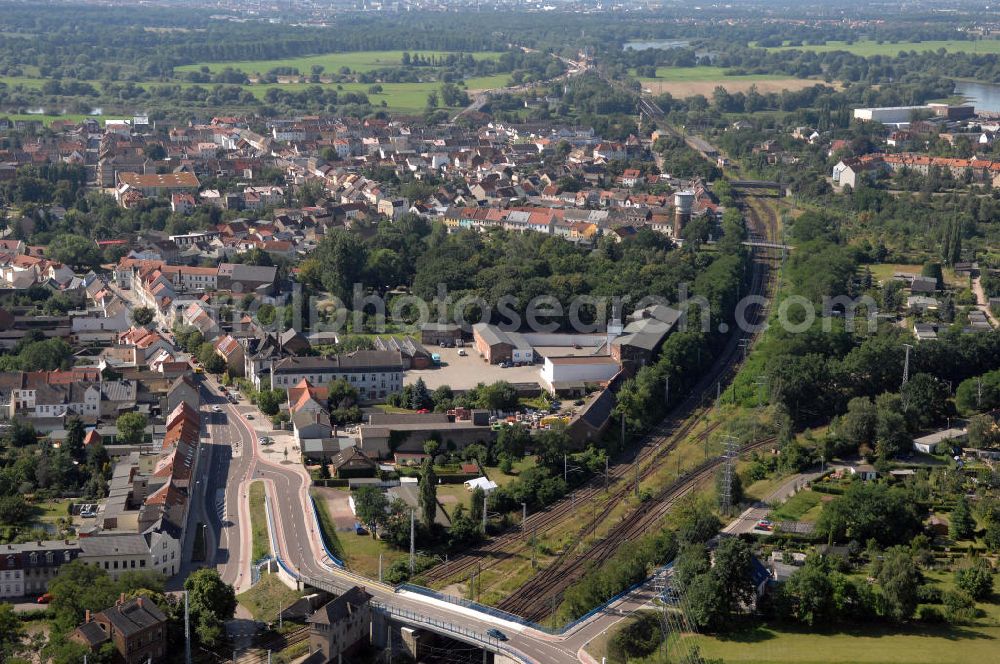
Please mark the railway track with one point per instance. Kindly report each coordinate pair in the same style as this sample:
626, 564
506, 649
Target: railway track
539, 596
664, 438
677, 427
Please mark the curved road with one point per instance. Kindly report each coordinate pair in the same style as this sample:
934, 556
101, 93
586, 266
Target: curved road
234, 460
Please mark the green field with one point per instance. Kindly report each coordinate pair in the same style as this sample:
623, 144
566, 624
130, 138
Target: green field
706, 73
49, 119
258, 522
267, 598
400, 97
358, 61
867, 48
865, 644
411, 97
803, 506
26, 81
404, 97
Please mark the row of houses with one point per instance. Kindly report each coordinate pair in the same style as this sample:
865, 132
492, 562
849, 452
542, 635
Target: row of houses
849, 172
139, 528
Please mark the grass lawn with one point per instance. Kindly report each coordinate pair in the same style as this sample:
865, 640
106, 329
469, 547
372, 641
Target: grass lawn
867, 644
52, 509
805, 505
867, 48
361, 554
452, 495
358, 61
267, 598
762, 488
49, 119
884, 271
874, 644
258, 522
26, 81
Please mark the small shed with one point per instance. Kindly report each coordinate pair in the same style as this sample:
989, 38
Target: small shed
930, 443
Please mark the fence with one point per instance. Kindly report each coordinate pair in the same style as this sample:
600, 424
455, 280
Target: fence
510, 617
477, 637
322, 535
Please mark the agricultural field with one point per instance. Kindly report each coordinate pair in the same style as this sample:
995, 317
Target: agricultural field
359, 61
48, 119
407, 97
689, 81
868, 48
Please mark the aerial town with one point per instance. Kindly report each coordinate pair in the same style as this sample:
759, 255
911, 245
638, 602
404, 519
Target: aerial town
353, 333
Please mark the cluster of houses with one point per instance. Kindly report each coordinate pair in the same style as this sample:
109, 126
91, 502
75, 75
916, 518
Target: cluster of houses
851, 171
141, 526
499, 166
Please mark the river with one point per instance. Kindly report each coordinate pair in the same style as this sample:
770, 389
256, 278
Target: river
984, 96
658, 43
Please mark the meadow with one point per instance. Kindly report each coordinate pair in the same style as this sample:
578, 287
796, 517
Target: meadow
357, 61
398, 97
867, 48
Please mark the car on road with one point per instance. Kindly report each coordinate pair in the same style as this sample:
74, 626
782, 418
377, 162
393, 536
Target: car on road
461, 352
249, 416
496, 634
216, 409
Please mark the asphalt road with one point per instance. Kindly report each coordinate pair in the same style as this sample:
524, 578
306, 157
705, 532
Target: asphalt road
234, 459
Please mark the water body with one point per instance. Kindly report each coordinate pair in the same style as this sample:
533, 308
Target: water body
984, 96
658, 43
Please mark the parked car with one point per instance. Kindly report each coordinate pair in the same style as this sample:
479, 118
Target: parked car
216, 409
249, 416
461, 352
45, 598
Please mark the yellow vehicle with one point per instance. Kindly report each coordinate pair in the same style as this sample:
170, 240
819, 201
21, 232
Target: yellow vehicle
199, 370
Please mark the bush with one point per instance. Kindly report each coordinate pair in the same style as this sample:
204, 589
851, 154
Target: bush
636, 639
927, 594
976, 580
959, 606
930, 614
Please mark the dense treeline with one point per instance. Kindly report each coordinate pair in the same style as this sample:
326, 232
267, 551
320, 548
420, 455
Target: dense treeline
501, 267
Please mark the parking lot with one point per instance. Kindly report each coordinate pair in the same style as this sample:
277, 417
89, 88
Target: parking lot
463, 373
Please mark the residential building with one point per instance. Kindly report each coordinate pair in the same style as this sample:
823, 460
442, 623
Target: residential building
183, 390
376, 374
26, 569
136, 627
340, 626
232, 351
